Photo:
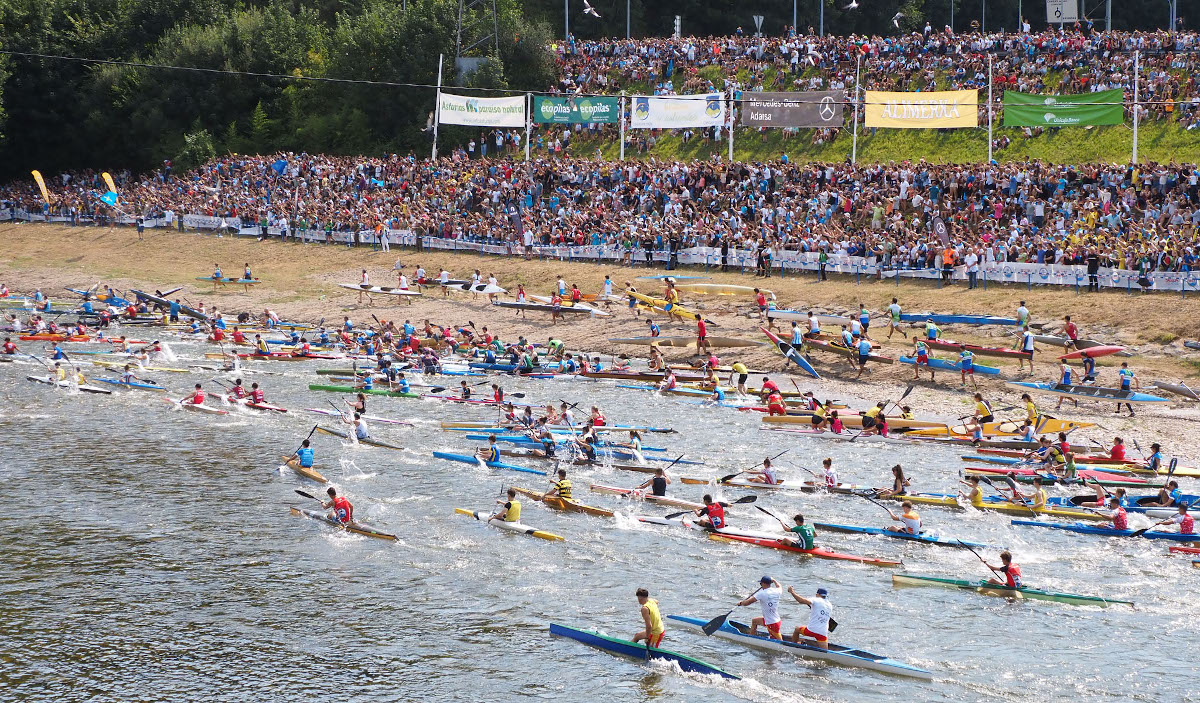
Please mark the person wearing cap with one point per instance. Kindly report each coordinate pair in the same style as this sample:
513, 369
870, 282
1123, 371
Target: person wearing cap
651, 618
819, 617
767, 596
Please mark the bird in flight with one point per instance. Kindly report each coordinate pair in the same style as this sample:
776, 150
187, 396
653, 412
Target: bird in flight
896, 19
589, 10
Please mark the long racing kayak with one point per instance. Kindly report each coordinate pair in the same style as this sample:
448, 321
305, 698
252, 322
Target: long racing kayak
67, 384
924, 537
352, 389
641, 494
786, 546
354, 528
793, 354
468, 459
134, 384
1091, 392
563, 504
636, 650
1108, 531
510, 526
308, 472
368, 441
943, 365
734, 631
1023, 593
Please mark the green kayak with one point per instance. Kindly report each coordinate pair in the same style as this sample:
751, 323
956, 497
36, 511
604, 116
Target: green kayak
351, 389
369, 442
1004, 591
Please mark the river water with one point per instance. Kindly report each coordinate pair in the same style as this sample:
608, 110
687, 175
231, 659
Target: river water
148, 554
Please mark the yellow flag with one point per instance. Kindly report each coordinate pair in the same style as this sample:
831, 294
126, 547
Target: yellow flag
37, 176
108, 181
922, 110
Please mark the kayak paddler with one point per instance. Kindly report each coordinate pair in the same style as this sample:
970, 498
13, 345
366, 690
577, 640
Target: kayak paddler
657, 483
1120, 519
361, 431
899, 484
1012, 572
9, 347
802, 534
830, 473
511, 512
910, 521
237, 391
340, 509
767, 596
491, 452
256, 394
1168, 496
819, 618
864, 353
775, 404
196, 398
742, 372
304, 455
561, 488
1187, 525
260, 346
712, 515
767, 475
922, 358
651, 619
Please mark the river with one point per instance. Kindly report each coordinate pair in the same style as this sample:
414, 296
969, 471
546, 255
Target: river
149, 554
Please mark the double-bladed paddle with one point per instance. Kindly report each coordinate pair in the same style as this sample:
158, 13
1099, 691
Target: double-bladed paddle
740, 501
715, 624
730, 477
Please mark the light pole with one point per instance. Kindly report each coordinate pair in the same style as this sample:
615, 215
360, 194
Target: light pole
821, 19
626, 19
983, 17
566, 20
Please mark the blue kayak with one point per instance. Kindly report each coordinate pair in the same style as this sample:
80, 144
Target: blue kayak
142, 386
924, 537
793, 354
637, 651
521, 438
943, 365
958, 319
468, 459
1085, 529
677, 390
1092, 392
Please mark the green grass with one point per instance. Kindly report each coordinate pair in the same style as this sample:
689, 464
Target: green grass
1157, 141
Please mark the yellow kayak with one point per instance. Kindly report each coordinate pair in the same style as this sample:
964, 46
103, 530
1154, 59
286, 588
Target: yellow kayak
1048, 425
952, 502
659, 305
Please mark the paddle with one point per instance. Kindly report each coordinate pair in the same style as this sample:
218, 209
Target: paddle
901, 400
864, 496
715, 624
777, 518
964, 544
730, 477
740, 501
1013, 487
306, 494
1144, 530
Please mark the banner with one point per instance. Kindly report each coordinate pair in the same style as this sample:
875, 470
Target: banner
821, 108
108, 181
1062, 11
678, 111
109, 199
1025, 110
482, 112
576, 110
931, 110
37, 176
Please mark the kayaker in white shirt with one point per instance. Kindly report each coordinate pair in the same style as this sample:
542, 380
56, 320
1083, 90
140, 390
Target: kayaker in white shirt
767, 596
819, 618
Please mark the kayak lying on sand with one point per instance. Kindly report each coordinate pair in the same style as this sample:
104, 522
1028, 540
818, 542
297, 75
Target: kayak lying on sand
793, 354
1091, 392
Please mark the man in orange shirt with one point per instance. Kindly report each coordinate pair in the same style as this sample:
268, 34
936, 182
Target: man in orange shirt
947, 265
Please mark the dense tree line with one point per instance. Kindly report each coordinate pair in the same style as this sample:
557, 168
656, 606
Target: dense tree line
67, 114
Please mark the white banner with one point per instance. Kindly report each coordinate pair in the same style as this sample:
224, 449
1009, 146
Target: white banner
482, 112
1062, 11
676, 111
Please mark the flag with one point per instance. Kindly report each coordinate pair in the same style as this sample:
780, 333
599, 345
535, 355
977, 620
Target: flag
514, 214
279, 166
37, 176
109, 198
108, 181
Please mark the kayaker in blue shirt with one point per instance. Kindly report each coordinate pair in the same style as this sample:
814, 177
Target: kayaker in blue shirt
1089, 368
491, 452
966, 365
1154, 463
304, 455
654, 330
174, 312
864, 352
931, 330
797, 335
847, 338
217, 272
56, 353
718, 395
1128, 383
195, 328
402, 383
87, 307
1064, 379
347, 324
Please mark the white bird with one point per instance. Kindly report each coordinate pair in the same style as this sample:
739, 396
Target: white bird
896, 19
589, 10
852, 6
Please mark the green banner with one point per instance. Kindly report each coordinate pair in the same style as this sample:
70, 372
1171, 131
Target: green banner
576, 110
1025, 110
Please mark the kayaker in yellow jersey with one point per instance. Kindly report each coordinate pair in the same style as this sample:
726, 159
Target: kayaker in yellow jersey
819, 419
983, 410
491, 452
1037, 499
80, 379
872, 418
260, 346
60, 374
1031, 411
560, 488
743, 373
651, 618
910, 521
975, 495
511, 512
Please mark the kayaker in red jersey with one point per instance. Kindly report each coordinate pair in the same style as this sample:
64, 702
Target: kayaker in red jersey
238, 336
342, 510
257, 395
701, 335
775, 404
218, 335
1187, 524
1117, 452
712, 515
9, 347
668, 383
767, 387
1120, 520
237, 391
1012, 572
597, 417
196, 398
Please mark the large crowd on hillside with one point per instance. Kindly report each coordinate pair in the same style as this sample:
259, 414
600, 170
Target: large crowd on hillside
1140, 217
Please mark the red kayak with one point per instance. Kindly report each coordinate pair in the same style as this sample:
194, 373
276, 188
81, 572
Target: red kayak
815, 552
1102, 350
1094, 459
1185, 550
951, 345
47, 337
257, 406
1086, 473
283, 356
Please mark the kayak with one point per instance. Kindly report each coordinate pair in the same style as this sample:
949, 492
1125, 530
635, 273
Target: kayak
382, 290
948, 500
715, 342
368, 418
121, 365
846, 351
641, 494
468, 459
659, 305
48, 337
958, 319
511, 526
183, 309
273, 356
791, 353
492, 427
308, 472
802, 316
352, 389
1121, 468
943, 365
1094, 352
229, 281
854, 421
1178, 389
267, 407
368, 441
355, 528
541, 307
1092, 392
1023, 593
818, 552
575, 307
637, 651
1108, 531
1184, 550
1045, 425
924, 537
566, 505
131, 384
67, 384
734, 631
978, 350
722, 289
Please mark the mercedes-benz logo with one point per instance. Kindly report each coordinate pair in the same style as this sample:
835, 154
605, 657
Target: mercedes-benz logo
827, 108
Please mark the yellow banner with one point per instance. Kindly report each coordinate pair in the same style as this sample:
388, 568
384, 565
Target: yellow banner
108, 181
37, 176
932, 110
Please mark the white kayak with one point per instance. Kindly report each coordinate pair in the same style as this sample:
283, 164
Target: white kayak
67, 384
381, 290
485, 288
511, 526
802, 316
693, 525
196, 408
639, 494
545, 300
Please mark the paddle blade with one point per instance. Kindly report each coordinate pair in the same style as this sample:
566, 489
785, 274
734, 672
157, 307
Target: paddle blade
672, 516
715, 624
306, 494
745, 499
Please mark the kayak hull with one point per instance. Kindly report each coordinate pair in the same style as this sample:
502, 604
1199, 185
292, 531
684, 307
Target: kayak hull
637, 651
1004, 591
354, 528
817, 552
791, 353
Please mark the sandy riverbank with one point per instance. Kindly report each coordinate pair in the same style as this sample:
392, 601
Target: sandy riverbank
300, 283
